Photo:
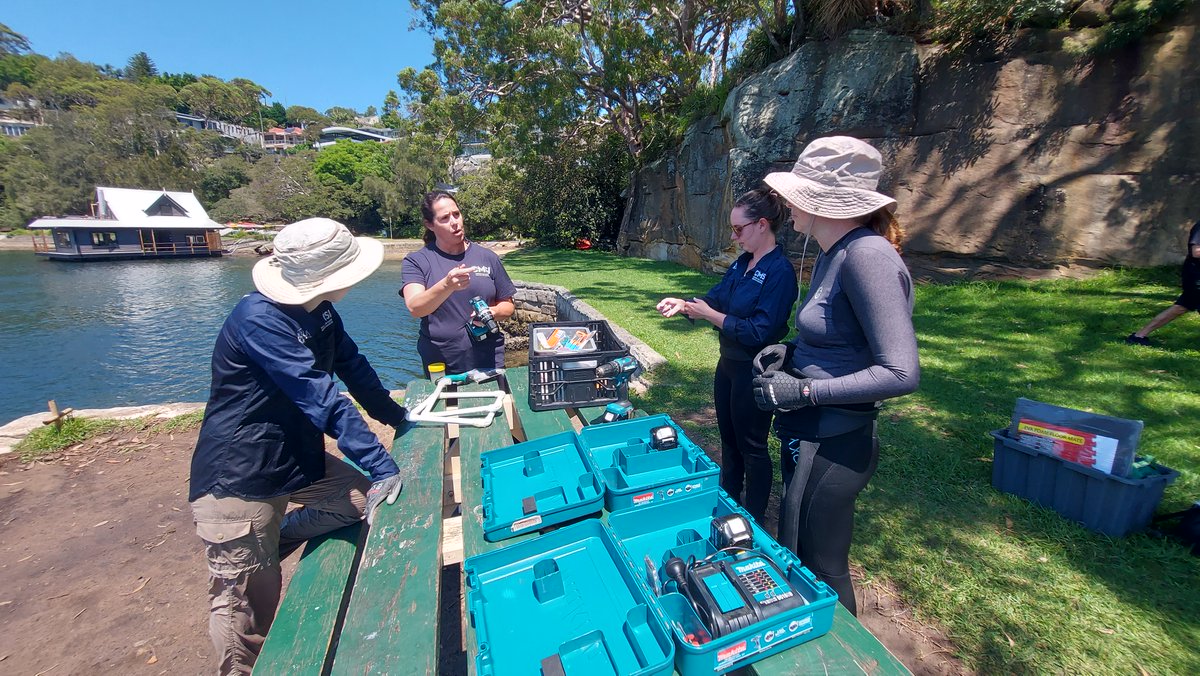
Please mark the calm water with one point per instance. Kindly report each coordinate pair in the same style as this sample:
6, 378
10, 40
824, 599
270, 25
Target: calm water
101, 334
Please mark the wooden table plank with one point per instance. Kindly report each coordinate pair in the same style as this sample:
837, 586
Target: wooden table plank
391, 624
472, 443
304, 627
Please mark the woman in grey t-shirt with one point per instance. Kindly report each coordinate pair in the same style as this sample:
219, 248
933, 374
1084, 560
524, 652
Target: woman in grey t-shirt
438, 282
854, 347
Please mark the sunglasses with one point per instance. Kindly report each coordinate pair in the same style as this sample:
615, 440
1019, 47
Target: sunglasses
739, 227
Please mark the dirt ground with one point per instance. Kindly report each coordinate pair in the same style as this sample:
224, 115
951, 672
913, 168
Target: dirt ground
102, 572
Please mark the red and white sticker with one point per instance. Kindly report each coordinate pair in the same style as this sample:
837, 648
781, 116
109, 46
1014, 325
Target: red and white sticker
643, 498
731, 653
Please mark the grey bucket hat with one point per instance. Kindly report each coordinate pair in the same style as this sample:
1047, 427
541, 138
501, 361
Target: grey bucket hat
835, 177
315, 256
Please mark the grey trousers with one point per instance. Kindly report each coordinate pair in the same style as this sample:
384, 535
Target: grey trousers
243, 543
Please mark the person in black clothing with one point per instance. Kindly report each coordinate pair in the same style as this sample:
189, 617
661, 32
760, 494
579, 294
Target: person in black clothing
1188, 300
262, 442
854, 346
750, 308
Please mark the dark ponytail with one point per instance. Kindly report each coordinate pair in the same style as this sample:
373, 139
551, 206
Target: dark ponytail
764, 203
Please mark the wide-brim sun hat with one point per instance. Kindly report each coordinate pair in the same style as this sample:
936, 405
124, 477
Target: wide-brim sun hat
313, 257
834, 177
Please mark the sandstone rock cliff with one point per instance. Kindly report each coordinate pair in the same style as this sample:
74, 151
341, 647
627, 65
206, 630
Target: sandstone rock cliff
1029, 163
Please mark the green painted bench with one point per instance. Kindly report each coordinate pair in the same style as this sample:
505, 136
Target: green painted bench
349, 605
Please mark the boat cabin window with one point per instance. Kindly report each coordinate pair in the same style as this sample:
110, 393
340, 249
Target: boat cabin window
104, 239
63, 238
196, 240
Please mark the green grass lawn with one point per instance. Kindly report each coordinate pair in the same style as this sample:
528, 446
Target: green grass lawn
1018, 588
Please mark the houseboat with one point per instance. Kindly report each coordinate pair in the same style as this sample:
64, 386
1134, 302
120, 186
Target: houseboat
128, 224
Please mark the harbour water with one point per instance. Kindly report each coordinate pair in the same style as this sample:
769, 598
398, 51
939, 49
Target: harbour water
109, 333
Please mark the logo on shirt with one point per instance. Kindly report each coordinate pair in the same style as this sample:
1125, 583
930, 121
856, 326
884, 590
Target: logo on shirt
760, 276
326, 319
303, 336
483, 270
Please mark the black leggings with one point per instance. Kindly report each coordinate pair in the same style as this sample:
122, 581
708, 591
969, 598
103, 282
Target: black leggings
744, 429
840, 470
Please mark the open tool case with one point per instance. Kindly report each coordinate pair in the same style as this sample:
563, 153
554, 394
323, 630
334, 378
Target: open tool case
594, 598
565, 603
536, 484
654, 534
636, 473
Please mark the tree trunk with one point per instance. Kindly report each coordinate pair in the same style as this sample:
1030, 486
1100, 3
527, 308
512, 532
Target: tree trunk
797, 26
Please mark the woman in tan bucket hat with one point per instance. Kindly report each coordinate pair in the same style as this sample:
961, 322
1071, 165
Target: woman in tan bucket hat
854, 347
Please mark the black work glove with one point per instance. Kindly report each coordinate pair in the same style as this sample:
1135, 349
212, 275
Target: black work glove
387, 489
781, 391
773, 358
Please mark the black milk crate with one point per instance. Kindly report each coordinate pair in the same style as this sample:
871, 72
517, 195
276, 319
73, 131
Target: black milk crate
567, 379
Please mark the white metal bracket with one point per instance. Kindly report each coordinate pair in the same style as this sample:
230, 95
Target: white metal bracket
475, 416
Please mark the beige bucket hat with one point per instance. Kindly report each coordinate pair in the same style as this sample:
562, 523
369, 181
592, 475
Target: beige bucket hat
315, 256
834, 177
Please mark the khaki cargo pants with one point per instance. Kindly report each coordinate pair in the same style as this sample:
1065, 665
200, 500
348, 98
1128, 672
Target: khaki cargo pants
243, 540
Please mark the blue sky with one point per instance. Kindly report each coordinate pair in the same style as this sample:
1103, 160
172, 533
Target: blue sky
316, 54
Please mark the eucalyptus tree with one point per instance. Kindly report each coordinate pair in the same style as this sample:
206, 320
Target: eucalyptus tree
536, 74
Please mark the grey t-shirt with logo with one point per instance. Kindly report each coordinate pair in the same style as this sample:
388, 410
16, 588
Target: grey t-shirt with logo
443, 336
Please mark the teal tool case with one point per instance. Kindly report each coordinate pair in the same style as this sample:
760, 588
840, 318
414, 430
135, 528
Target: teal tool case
565, 603
682, 528
535, 484
635, 473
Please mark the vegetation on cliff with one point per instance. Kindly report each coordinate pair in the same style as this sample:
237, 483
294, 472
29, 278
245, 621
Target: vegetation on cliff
570, 98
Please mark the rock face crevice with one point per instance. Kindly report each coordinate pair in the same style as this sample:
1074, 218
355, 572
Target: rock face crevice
1032, 162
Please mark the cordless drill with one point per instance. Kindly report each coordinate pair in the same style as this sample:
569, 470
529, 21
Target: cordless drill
482, 322
619, 370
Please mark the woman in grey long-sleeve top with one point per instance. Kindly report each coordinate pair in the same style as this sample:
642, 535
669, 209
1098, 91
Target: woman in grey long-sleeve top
854, 347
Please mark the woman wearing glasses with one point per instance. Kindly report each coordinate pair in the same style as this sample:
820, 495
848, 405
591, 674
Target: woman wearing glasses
749, 308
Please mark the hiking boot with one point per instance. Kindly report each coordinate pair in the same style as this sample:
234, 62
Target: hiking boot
1134, 339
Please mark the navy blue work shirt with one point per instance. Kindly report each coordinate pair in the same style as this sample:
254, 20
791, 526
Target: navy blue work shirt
273, 400
757, 303
443, 337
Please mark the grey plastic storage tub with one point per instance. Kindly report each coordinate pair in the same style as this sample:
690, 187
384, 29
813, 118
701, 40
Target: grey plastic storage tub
1107, 504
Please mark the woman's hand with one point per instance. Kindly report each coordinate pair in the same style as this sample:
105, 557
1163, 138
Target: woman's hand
459, 278
698, 309
669, 307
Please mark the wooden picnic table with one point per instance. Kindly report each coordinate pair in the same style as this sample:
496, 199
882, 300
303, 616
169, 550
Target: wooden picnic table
377, 613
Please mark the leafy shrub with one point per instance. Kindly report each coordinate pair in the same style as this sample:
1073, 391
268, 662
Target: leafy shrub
1132, 19
574, 193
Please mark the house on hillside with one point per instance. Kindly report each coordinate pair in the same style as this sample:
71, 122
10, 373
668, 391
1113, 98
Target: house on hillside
279, 138
128, 224
331, 135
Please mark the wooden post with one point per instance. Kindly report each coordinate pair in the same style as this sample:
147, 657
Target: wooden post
56, 416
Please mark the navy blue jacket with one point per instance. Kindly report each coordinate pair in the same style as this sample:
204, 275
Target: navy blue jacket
757, 306
273, 399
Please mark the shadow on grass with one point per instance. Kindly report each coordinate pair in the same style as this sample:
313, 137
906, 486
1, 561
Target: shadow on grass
932, 522
1019, 588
